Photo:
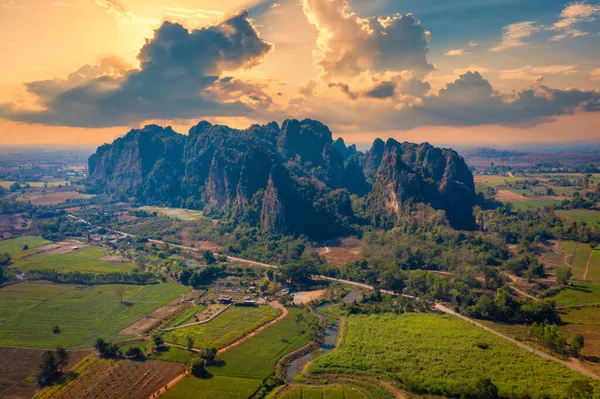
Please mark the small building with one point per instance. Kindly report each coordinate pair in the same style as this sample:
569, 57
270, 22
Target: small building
225, 298
246, 302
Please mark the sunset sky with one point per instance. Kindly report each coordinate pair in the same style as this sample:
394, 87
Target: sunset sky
451, 72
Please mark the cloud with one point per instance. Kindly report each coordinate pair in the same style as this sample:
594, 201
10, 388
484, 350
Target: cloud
473, 43
457, 52
595, 74
514, 35
531, 73
124, 16
468, 101
478, 68
179, 77
571, 15
192, 13
348, 44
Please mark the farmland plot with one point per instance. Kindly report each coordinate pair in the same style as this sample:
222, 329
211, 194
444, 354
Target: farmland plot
440, 355
230, 326
237, 373
114, 379
29, 312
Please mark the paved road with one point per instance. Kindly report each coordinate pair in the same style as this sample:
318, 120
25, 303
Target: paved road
570, 365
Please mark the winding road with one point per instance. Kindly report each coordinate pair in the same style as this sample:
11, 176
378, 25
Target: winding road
440, 307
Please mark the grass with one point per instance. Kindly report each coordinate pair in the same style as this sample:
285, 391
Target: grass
29, 311
14, 246
581, 215
166, 353
594, 270
580, 293
228, 327
441, 355
238, 372
35, 184
579, 252
85, 259
334, 392
535, 203
175, 213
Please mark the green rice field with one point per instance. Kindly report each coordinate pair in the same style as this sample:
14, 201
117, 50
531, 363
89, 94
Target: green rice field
29, 312
334, 392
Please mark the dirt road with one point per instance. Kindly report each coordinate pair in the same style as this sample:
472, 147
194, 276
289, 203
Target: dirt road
570, 365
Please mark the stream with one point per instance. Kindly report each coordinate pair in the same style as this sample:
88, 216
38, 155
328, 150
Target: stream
329, 343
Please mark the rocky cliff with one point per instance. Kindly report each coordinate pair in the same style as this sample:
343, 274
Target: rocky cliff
295, 179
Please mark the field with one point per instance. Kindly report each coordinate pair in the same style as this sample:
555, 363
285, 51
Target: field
228, 327
15, 246
440, 355
175, 213
238, 372
62, 256
17, 364
333, 392
341, 251
52, 197
29, 311
578, 254
35, 184
580, 293
114, 379
594, 269
581, 215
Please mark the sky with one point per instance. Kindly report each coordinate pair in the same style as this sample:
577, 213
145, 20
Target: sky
454, 73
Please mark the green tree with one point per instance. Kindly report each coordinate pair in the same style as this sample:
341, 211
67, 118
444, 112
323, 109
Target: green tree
484, 388
197, 368
134, 352
189, 342
25, 247
157, 340
208, 257
208, 355
577, 343
120, 291
62, 358
563, 275
48, 368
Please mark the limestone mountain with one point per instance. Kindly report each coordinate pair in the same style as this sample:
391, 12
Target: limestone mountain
291, 179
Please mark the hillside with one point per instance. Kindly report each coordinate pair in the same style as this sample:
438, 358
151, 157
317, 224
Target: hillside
291, 179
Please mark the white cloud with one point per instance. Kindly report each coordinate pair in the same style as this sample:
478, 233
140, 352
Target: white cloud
348, 44
473, 43
514, 35
457, 52
595, 74
124, 16
472, 68
530, 73
571, 15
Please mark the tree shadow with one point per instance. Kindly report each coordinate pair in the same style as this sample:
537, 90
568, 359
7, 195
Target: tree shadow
218, 363
127, 304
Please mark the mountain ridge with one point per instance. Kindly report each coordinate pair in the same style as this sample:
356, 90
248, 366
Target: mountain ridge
293, 179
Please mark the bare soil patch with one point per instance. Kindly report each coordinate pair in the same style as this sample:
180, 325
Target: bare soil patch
146, 323
55, 198
62, 247
16, 364
121, 379
509, 196
341, 251
307, 296
11, 223
198, 244
114, 258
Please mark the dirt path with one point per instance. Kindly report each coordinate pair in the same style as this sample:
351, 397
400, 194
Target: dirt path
587, 265
571, 365
274, 304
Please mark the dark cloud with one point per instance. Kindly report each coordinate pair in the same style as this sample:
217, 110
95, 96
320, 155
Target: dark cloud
382, 90
178, 78
469, 101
